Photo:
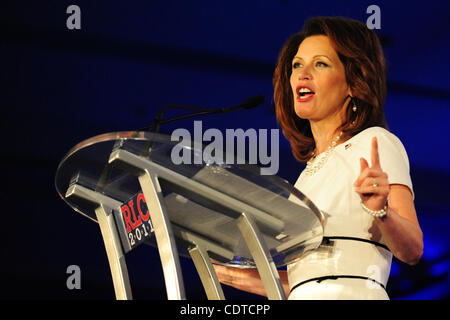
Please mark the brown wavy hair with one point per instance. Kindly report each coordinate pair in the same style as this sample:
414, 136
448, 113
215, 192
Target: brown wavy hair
360, 52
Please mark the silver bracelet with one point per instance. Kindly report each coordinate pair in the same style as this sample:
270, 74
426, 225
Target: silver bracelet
377, 214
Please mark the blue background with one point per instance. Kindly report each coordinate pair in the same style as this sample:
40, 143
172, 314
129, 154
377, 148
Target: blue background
60, 87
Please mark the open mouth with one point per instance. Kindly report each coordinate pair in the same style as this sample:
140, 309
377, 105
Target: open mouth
304, 93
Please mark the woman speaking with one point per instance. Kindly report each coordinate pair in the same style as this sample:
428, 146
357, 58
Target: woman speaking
329, 93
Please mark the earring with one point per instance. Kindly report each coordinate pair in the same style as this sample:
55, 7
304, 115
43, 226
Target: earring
354, 108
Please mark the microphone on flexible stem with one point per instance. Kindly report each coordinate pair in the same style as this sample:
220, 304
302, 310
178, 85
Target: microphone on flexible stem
249, 103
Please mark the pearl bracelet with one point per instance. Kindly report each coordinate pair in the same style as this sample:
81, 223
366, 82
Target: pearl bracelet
377, 214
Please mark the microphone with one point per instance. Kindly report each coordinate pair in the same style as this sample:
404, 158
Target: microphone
249, 103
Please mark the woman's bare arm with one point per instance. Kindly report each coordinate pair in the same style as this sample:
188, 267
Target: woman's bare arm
247, 279
400, 227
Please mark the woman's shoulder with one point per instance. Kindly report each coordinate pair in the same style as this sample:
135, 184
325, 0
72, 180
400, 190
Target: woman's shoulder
379, 132
373, 130
389, 145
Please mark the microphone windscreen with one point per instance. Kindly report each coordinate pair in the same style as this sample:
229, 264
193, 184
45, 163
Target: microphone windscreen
253, 102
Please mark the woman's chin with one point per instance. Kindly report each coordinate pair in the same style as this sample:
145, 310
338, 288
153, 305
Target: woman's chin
302, 113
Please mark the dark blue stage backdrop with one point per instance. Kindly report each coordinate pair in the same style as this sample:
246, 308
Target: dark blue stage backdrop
63, 82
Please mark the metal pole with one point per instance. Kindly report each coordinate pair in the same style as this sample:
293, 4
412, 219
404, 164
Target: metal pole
116, 258
261, 255
164, 236
207, 273
111, 239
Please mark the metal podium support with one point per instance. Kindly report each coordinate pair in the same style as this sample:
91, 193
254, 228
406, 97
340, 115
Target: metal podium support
266, 267
149, 172
207, 273
231, 215
117, 264
164, 236
198, 248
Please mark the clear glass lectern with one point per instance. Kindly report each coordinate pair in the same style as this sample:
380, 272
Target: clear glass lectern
129, 184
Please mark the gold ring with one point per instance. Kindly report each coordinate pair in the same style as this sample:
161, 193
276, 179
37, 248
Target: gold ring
374, 184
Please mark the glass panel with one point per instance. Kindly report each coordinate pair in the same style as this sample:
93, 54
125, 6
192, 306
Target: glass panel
299, 225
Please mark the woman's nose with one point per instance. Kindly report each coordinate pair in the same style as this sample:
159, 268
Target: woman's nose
304, 74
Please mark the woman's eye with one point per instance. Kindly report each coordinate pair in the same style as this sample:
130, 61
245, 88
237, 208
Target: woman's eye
321, 64
296, 65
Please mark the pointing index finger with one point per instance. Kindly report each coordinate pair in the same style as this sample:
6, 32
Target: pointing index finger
375, 156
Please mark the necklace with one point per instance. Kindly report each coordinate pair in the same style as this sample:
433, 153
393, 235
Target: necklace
312, 166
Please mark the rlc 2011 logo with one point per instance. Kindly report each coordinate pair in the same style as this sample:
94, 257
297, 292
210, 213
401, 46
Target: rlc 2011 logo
131, 220
136, 218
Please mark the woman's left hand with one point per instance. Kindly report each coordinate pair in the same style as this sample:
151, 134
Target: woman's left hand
372, 183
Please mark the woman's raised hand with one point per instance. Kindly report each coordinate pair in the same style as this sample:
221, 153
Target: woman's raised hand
372, 183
